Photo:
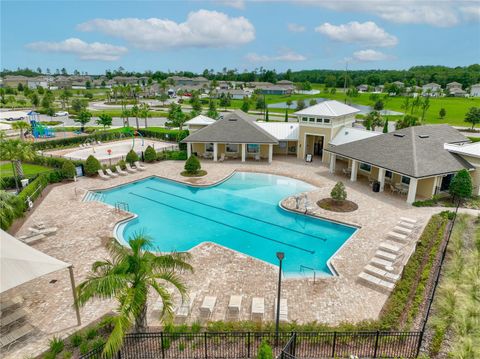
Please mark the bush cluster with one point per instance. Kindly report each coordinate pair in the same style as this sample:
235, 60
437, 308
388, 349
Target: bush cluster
192, 165
92, 165
132, 157
150, 154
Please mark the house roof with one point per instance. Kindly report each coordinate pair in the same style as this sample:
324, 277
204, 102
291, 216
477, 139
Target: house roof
467, 149
350, 134
200, 120
415, 151
454, 83
282, 131
431, 84
236, 127
329, 108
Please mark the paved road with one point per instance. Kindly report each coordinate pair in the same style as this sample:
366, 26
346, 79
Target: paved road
117, 121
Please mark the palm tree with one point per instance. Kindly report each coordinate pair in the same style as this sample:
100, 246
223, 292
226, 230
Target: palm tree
135, 111
144, 112
16, 151
128, 277
9, 208
21, 126
125, 116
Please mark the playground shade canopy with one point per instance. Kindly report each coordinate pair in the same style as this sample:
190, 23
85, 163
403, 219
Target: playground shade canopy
20, 263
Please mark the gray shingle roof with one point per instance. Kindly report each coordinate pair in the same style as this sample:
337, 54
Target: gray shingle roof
415, 151
235, 127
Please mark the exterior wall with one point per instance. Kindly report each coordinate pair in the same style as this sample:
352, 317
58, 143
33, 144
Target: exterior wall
304, 148
193, 128
425, 187
199, 148
285, 151
263, 151
475, 174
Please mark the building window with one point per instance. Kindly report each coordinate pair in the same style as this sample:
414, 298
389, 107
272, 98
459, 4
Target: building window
209, 147
282, 144
253, 148
326, 120
304, 119
388, 174
319, 120
365, 167
405, 180
232, 147
311, 119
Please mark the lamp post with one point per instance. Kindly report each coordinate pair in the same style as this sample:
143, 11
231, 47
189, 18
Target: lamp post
280, 256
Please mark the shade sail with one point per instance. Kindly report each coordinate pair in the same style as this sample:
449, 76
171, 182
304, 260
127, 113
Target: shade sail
20, 263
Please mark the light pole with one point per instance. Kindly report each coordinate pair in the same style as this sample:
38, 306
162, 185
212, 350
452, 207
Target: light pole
280, 256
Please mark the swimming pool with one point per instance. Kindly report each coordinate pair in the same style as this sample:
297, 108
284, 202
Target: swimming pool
241, 213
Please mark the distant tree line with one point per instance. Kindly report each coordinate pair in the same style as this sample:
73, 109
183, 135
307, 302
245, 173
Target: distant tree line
417, 75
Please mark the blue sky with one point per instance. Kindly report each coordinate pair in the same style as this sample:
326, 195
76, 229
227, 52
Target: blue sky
193, 35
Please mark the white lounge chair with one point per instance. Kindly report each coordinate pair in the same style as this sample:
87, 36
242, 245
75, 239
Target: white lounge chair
120, 171
206, 309
130, 168
382, 274
390, 247
103, 175
139, 166
110, 173
406, 225
386, 255
10, 303
12, 317
183, 311
32, 239
234, 305
408, 220
398, 237
222, 157
258, 308
377, 282
382, 263
283, 310
14, 335
257, 157
402, 230
45, 231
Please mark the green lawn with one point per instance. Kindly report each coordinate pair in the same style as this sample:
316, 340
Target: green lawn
28, 169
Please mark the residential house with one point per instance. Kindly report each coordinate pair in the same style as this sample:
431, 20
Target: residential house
14, 81
275, 90
362, 88
399, 84
188, 81
379, 88
475, 90
454, 84
236, 94
432, 88
36, 82
416, 161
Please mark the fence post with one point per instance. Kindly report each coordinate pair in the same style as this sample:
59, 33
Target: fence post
294, 343
162, 343
205, 336
119, 355
248, 345
376, 344
334, 343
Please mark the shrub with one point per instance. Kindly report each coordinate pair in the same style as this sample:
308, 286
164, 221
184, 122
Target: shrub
67, 355
196, 327
265, 351
68, 170
150, 154
99, 342
92, 166
122, 164
132, 157
338, 192
84, 348
461, 186
56, 345
55, 177
91, 333
172, 155
192, 165
76, 340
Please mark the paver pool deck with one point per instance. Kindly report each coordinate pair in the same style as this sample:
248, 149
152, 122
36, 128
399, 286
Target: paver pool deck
85, 228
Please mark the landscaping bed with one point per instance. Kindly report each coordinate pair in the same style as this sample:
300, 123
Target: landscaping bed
333, 205
200, 173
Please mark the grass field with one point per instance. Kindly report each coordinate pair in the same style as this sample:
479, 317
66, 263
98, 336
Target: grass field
28, 169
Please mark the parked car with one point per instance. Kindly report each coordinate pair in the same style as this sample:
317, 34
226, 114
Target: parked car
61, 113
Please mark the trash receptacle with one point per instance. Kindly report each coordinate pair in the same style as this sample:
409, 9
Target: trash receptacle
376, 186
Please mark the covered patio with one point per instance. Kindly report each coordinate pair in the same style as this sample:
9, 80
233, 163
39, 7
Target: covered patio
410, 162
236, 136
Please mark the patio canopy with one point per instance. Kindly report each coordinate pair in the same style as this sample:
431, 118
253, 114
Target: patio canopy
20, 263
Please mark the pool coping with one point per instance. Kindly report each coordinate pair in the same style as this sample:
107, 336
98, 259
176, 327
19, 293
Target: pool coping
132, 216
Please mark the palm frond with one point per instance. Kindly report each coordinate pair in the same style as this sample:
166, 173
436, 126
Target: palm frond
172, 278
166, 297
121, 324
103, 286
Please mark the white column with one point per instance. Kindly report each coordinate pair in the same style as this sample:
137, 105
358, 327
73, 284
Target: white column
270, 153
215, 152
243, 151
353, 176
412, 190
189, 149
333, 161
434, 188
381, 178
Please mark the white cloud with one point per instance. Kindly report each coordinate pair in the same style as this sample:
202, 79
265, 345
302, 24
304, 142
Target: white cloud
471, 13
436, 13
236, 4
296, 27
288, 56
370, 55
85, 51
202, 28
367, 33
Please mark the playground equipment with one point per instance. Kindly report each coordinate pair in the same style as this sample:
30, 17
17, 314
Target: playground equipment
38, 129
131, 132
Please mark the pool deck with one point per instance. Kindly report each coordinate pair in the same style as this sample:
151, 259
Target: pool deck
85, 227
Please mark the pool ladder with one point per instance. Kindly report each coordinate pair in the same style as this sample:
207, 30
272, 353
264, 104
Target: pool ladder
122, 206
303, 269
94, 196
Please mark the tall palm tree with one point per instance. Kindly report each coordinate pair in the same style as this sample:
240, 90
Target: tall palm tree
16, 151
144, 112
21, 126
135, 112
128, 277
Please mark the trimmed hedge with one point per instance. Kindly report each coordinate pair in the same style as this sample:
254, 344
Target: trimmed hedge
172, 155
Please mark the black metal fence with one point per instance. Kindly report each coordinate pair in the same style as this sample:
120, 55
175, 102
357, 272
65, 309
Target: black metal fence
301, 345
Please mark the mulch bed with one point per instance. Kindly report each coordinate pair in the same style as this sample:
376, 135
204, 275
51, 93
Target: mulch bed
200, 173
330, 204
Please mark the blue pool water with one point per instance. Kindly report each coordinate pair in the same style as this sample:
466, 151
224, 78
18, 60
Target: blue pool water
241, 213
